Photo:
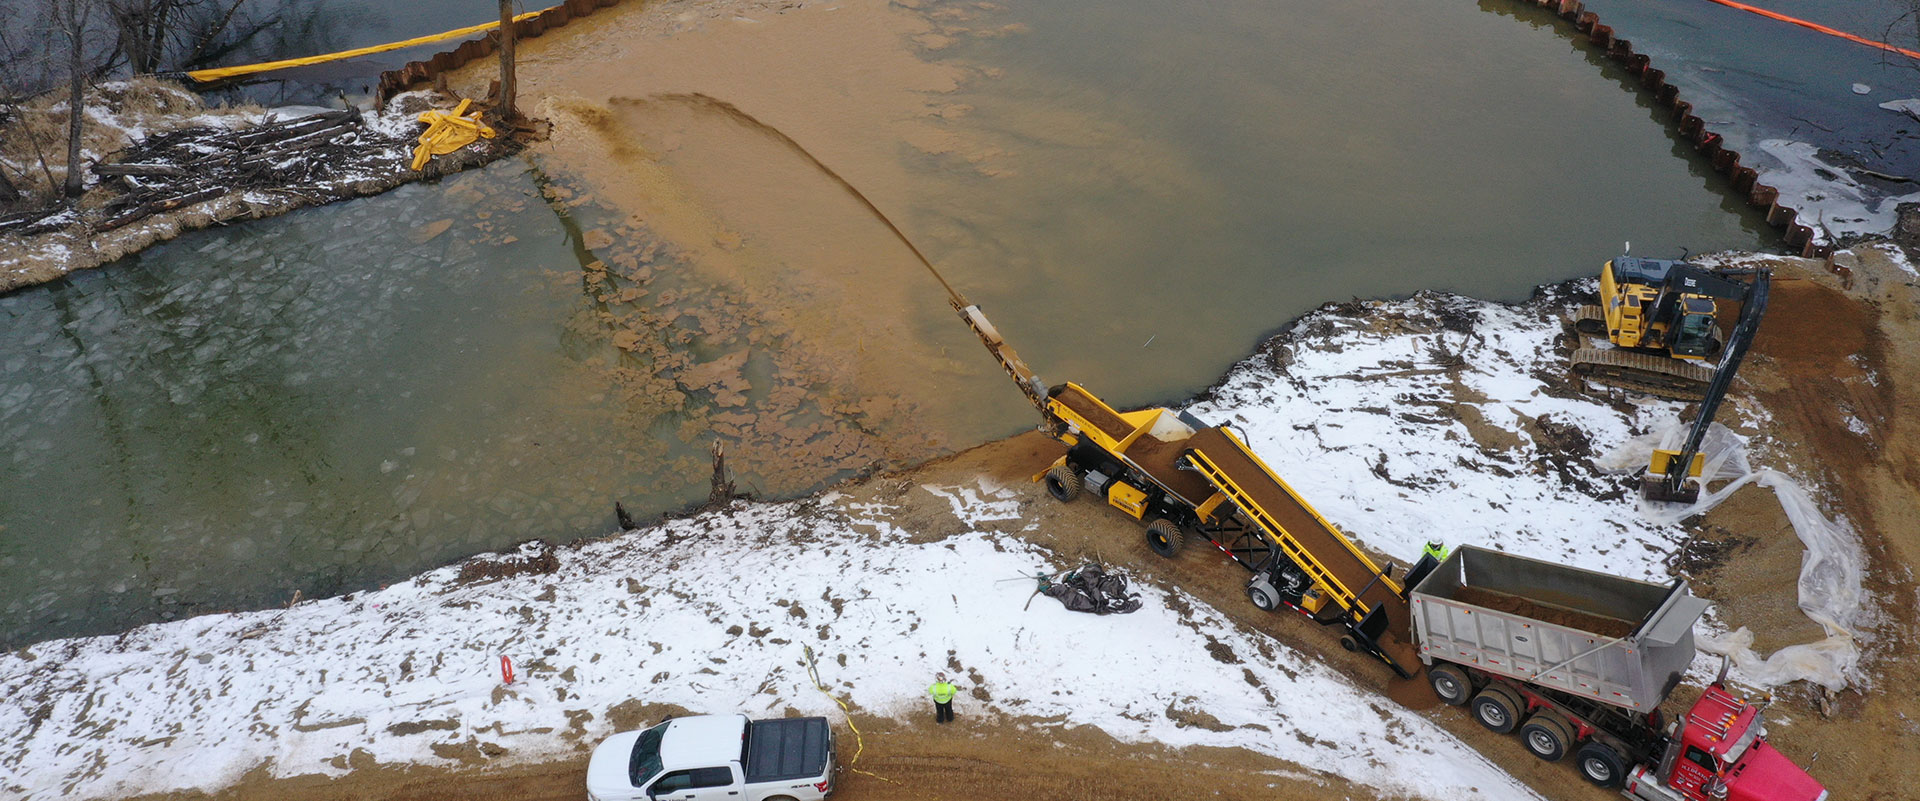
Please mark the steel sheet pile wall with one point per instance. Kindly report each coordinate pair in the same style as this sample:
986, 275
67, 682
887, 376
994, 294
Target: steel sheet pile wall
414, 73
1711, 145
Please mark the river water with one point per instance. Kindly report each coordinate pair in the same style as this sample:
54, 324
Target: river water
346, 395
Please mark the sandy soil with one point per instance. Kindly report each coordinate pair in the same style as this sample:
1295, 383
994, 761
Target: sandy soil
1831, 349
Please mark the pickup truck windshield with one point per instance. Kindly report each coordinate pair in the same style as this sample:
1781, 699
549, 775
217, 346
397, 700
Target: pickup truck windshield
646, 755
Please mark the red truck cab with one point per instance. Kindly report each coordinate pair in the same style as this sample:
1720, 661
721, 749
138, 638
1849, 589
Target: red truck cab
1718, 752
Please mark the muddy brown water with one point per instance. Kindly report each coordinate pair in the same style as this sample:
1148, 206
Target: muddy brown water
349, 394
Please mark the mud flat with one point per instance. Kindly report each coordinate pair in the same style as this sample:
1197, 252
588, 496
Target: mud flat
1363, 406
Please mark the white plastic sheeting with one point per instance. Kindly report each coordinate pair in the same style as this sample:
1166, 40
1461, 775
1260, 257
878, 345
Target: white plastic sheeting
1830, 569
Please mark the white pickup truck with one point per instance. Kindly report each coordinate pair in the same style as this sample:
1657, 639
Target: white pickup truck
716, 758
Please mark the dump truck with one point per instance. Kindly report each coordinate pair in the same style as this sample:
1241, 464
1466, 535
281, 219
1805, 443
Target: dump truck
1579, 662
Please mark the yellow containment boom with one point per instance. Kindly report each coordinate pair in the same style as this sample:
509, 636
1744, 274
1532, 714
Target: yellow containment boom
447, 132
223, 73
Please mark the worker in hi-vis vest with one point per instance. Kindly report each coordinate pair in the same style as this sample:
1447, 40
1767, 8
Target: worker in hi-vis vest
1436, 550
942, 692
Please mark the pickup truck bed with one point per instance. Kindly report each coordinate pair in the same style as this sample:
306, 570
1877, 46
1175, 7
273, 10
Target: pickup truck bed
785, 749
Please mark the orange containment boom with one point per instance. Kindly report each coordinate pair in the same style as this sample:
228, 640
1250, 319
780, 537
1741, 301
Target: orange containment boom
1815, 26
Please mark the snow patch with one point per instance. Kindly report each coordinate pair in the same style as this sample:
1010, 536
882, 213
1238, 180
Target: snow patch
1828, 199
663, 615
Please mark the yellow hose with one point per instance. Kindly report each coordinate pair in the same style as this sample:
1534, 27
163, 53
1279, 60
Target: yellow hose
221, 73
859, 742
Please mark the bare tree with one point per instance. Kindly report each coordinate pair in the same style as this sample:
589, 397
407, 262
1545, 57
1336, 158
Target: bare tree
156, 35
507, 34
72, 16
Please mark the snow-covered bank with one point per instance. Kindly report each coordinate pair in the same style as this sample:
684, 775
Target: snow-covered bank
1451, 418
1401, 421
1829, 199
710, 613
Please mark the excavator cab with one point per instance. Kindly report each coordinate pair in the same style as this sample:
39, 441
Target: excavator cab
1695, 337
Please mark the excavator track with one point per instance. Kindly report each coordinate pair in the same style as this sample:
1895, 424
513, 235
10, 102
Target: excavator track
1591, 320
1643, 372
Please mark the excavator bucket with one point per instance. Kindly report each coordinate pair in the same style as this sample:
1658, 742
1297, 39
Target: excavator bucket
1665, 483
1656, 488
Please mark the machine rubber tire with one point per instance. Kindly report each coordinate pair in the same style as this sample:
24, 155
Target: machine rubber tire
1348, 642
1601, 765
1495, 709
1165, 537
1546, 736
1450, 684
1262, 598
1063, 484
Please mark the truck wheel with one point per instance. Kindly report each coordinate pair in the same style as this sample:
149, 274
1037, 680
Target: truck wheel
1451, 684
1494, 707
1546, 736
1348, 642
1165, 537
1601, 765
1262, 598
1063, 484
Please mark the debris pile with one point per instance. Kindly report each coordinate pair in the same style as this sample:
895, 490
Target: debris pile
221, 167
1090, 588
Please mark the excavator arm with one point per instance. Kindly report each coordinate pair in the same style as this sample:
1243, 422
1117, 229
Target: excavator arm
1667, 476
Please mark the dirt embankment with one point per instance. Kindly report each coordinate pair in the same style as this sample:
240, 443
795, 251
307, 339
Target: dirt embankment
1835, 366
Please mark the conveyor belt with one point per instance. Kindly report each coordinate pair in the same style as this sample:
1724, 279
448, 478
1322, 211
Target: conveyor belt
1159, 460
1351, 579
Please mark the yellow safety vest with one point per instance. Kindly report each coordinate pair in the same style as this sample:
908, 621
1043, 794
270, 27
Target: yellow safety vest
942, 692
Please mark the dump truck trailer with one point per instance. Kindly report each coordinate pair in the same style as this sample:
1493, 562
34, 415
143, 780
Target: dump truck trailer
1579, 661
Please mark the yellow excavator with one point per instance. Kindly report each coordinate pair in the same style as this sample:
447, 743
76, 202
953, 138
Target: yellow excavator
1661, 318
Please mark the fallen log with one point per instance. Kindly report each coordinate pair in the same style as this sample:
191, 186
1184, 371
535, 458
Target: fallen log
275, 131
168, 170
149, 209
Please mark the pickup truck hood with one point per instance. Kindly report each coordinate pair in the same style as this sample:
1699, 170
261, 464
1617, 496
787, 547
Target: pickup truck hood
607, 775
1765, 774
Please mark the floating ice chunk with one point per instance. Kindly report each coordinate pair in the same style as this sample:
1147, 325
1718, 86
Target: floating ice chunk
1910, 105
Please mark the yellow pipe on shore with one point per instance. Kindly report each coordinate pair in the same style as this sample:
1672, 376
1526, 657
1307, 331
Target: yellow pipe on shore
222, 73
